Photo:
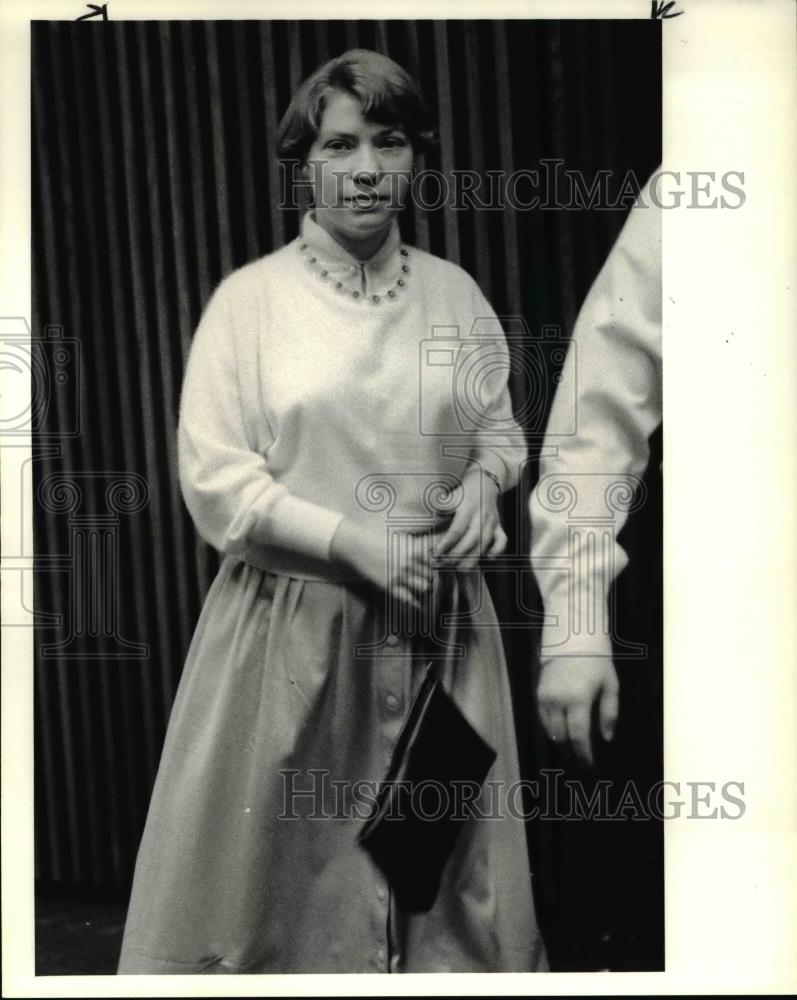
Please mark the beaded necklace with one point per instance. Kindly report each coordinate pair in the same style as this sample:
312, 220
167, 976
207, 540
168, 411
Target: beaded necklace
375, 299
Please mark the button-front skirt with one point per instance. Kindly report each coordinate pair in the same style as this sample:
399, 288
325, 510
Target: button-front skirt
288, 709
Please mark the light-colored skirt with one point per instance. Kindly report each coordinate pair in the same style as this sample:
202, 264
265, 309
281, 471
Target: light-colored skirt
288, 709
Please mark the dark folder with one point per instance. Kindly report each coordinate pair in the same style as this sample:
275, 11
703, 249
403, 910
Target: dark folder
438, 765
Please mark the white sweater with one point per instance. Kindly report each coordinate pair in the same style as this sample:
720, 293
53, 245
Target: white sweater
305, 400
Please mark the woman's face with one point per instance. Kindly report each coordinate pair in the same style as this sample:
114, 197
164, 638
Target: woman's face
360, 171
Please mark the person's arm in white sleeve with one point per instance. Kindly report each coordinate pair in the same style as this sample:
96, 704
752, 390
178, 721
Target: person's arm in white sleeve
587, 479
500, 446
226, 484
498, 442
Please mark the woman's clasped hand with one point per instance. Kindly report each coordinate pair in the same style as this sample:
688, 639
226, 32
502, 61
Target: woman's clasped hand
403, 563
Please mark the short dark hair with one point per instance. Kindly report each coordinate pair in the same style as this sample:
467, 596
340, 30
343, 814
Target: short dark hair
387, 94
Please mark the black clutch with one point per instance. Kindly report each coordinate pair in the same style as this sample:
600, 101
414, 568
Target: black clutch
437, 767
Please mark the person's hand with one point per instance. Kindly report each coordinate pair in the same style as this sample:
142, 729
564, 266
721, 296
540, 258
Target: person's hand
567, 691
475, 529
405, 575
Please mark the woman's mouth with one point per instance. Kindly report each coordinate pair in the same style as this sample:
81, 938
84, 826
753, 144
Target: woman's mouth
366, 203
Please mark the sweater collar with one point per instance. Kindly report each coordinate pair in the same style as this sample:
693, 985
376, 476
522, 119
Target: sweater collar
369, 275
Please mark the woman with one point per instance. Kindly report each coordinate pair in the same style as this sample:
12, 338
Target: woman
316, 427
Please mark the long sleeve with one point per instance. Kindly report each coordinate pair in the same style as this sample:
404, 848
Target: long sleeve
230, 494
483, 394
589, 471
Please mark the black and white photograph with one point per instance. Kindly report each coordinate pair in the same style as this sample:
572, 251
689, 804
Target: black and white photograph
357, 593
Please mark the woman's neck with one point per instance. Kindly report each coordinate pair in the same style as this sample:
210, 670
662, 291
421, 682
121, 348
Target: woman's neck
361, 250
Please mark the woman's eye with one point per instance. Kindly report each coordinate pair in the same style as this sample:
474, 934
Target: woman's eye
394, 142
336, 145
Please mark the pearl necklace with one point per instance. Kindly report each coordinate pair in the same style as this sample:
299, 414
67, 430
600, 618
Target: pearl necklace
391, 293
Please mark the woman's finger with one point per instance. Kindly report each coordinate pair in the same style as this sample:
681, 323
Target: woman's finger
478, 544
417, 583
402, 593
470, 541
456, 530
435, 539
418, 563
418, 550
472, 555
498, 544
468, 548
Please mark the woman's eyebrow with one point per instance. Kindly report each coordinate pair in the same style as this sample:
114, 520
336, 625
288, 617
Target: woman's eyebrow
391, 128
336, 134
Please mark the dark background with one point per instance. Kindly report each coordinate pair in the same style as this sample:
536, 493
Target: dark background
154, 175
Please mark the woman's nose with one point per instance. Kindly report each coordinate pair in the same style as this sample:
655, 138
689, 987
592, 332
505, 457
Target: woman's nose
366, 166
